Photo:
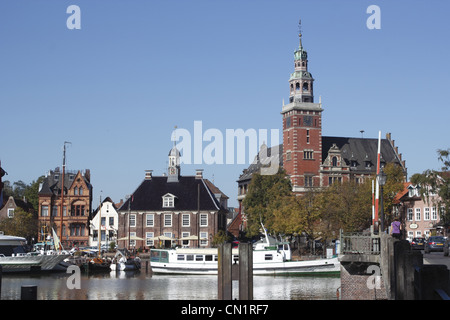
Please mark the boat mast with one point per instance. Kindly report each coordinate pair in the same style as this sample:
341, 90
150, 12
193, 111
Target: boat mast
62, 191
100, 226
265, 233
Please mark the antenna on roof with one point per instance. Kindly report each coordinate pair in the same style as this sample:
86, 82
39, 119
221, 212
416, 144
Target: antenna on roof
362, 133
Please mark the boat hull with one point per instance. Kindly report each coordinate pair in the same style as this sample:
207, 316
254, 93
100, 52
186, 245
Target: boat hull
31, 263
325, 267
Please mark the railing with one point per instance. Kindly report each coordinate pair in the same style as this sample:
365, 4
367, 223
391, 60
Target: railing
360, 243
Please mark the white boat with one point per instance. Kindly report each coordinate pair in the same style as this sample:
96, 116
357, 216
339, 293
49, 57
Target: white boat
268, 259
13, 257
121, 263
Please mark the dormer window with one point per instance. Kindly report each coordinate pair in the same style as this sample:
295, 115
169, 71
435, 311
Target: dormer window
168, 200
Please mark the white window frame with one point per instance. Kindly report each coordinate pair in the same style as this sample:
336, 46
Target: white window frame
168, 201
148, 236
417, 214
44, 211
132, 220
410, 214
169, 235
150, 220
203, 218
433, 213
203, 242
132, 242
185, 220
185, 243
426, 213
167, 217
10, 213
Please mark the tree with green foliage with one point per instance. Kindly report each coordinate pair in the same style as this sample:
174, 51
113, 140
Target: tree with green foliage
21, 190
266, 195
347, 206
437, 182
394, 184
23, 224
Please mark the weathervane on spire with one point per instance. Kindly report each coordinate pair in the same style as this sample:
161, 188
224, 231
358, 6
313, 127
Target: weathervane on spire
300, 31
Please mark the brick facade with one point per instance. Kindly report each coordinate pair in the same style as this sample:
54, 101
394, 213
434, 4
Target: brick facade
171, 210
76, 209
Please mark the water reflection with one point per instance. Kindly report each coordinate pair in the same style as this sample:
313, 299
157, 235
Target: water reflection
132, 285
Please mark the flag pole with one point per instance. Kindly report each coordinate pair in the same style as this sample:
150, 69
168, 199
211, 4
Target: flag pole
377, 191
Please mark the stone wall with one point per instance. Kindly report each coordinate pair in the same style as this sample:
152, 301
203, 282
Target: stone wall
359, 282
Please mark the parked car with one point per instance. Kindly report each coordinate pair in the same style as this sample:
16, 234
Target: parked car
417, 244
446, 246
434, 243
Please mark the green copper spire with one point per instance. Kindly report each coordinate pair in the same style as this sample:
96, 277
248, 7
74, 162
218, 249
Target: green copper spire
300, 53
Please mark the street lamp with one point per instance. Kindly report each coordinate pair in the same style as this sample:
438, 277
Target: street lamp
382, 181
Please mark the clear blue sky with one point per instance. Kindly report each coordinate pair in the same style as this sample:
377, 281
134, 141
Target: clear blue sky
117, 87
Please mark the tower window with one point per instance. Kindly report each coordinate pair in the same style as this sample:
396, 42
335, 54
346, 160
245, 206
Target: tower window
288, 122
308, 155
305, 86
308, 181
297, 86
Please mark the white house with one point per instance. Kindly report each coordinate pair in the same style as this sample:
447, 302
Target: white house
109, 224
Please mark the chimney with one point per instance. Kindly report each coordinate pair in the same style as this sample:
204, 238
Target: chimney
87, 175
199, 174
148, 174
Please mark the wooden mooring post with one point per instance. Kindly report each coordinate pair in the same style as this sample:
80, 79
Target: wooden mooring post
28, 292
229, 271
245, 271
225, 283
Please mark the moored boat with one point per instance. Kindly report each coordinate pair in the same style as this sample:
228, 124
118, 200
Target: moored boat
14, 258
121, 263
268, 259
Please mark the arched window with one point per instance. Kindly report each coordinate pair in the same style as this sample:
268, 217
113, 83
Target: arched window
297, 86
75, 191
292, 87
305, 86
334, 161
81, 191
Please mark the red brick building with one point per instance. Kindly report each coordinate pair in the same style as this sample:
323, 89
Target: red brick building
172, 209
74, 215
310, 159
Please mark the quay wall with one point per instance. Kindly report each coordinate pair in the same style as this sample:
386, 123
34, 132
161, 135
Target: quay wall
357, 284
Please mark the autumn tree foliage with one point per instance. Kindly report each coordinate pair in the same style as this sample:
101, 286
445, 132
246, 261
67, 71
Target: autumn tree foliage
319, 212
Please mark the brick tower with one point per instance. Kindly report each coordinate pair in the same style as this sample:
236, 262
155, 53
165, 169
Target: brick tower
302, 126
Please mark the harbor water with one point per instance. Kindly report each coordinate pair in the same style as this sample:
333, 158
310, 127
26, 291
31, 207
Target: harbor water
142, 285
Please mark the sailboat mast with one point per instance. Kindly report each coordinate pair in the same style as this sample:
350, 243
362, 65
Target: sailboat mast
62, 192
100, 227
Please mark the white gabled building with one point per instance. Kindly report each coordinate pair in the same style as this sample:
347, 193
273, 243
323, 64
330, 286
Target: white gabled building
109, 224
